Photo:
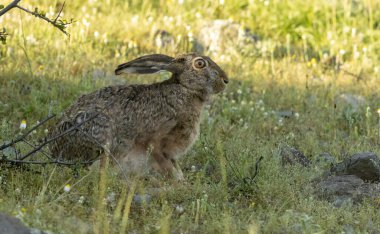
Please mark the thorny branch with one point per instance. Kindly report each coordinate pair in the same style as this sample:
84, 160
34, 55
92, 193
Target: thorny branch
9, 7
23, 136
39, 148
52, 160
56, 22
257, 165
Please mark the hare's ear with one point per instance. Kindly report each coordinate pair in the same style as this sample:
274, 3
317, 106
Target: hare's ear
145, 65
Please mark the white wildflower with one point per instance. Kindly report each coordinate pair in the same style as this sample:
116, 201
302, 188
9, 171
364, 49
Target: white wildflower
81, 200
193, 168
67, 188
179, 209
23, 124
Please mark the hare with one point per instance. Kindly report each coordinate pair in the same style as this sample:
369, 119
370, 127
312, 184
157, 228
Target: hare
142, 126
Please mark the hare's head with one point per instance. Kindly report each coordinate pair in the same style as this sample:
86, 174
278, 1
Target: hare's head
192, 70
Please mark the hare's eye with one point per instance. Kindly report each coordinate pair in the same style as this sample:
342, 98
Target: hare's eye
199, 63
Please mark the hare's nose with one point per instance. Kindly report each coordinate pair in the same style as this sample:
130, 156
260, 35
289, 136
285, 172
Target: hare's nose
225, 80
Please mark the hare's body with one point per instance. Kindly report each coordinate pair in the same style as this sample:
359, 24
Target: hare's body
133, 122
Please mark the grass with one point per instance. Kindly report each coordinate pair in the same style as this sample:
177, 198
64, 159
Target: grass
288, 69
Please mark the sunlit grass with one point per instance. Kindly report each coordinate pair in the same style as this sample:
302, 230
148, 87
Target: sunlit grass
307, 55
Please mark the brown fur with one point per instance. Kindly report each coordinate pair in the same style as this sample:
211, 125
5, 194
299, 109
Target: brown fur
133, 121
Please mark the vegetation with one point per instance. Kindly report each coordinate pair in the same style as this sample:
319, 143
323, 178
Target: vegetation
308, 54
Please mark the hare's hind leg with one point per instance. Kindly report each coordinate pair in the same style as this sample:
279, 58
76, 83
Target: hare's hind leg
166, 166
161, 164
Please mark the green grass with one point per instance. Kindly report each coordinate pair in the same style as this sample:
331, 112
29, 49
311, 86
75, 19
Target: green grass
42, 69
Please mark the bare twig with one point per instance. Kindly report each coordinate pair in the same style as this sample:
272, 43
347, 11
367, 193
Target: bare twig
9, 7
38, 148
47, 141
357, 76
23, 136
42, 151
52, 160
251, 178
59, 13
257, 167
61, 26
57, 23
14, 161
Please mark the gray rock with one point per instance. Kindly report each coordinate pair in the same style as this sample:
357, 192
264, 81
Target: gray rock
340, 185
285, 113
344, 190
222, 35
12, 225
139, 199
9, 152
292, 156
364, 165
350, 102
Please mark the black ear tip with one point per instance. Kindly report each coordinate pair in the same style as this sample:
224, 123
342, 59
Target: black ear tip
117, 72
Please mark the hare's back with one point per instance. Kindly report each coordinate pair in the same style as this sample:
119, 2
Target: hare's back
89, 123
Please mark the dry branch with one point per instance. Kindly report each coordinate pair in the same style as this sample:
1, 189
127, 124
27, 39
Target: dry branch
9, 7
56, 22
39, 148
23, 160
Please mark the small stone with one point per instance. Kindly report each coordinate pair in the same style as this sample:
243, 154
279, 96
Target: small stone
9, 152
354, 101
141, 199
285, 113
292, 156
111, 197
179, 209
